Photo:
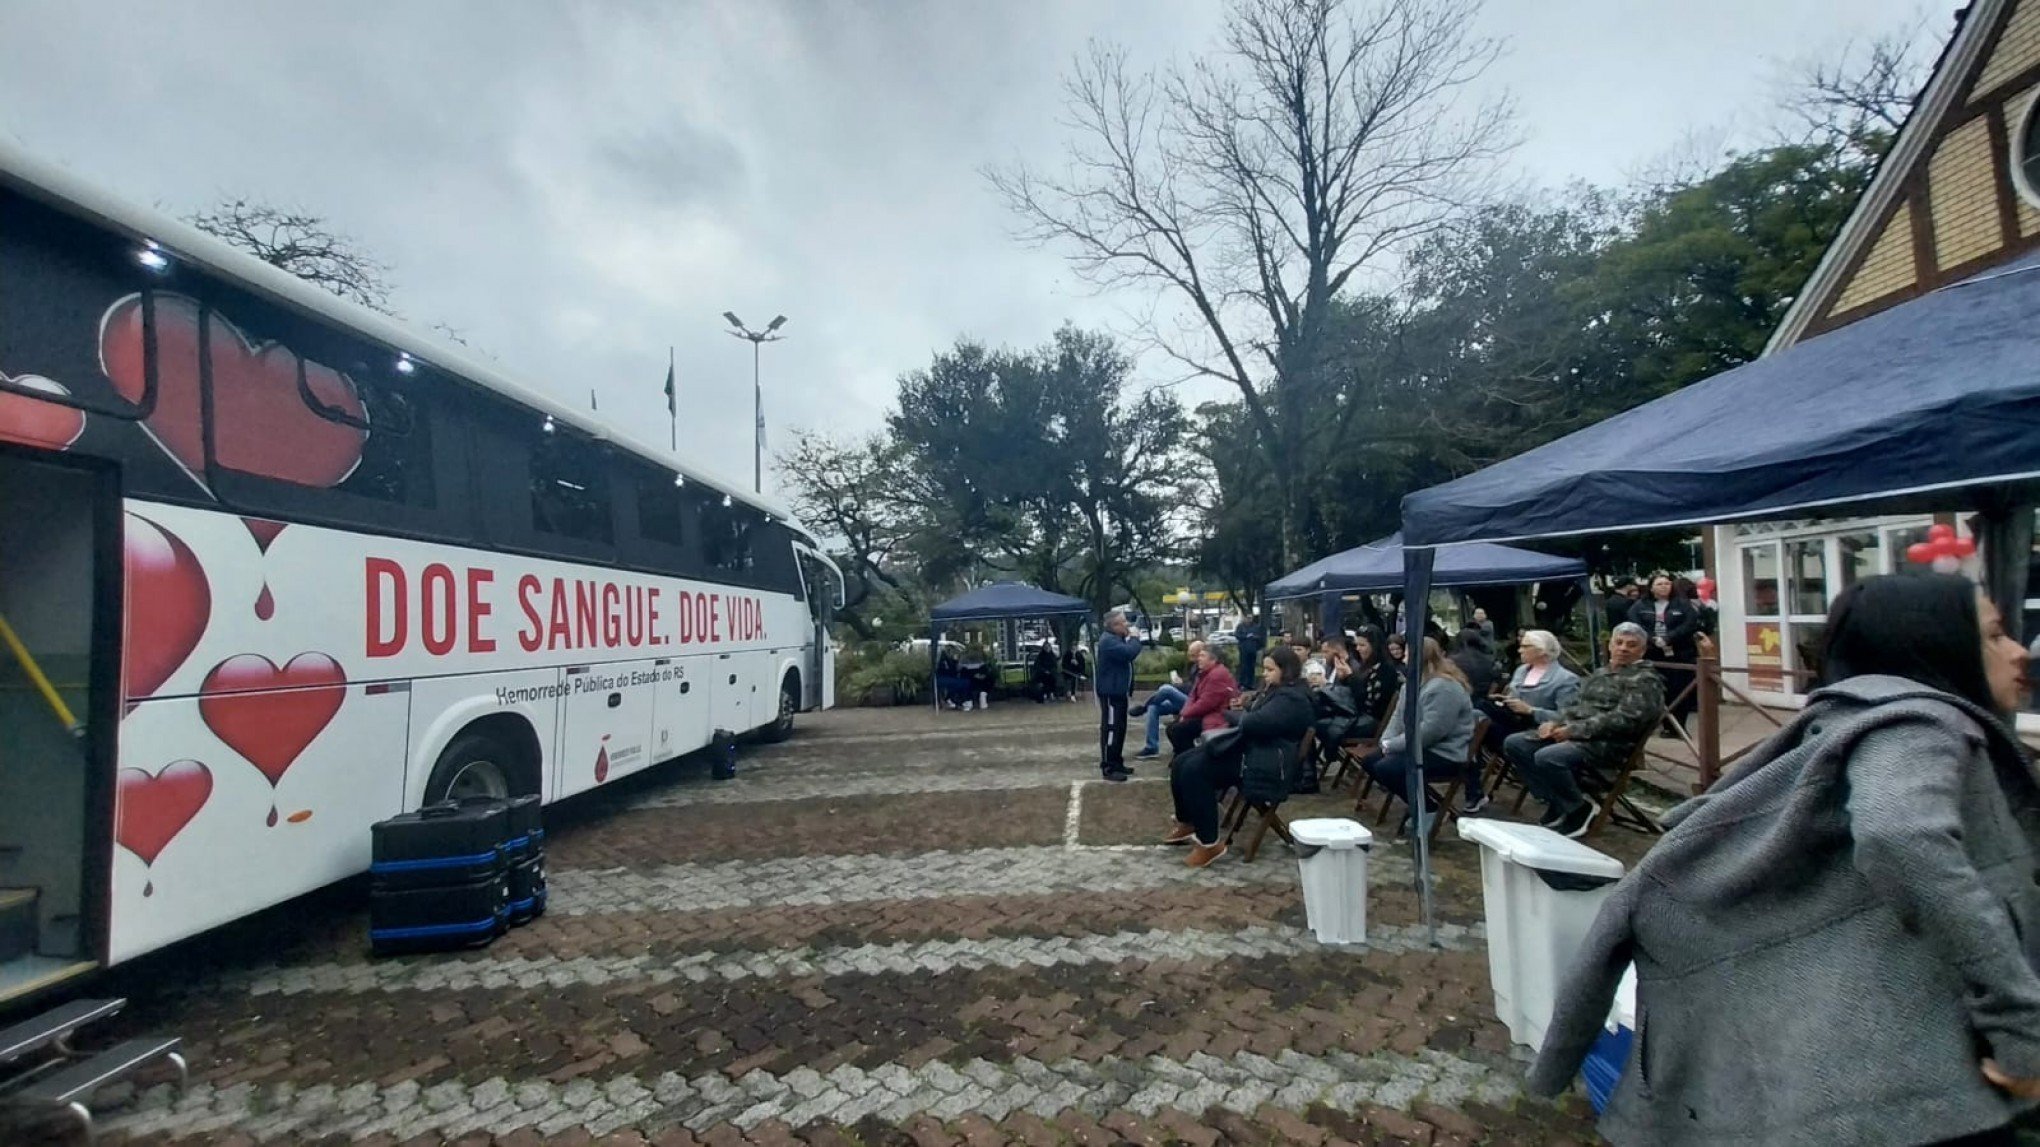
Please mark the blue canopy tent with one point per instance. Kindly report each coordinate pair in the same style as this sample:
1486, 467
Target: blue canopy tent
1932, 404
1000, 601
1378, 566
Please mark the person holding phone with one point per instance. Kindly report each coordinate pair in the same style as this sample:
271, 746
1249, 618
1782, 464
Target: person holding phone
1535, 692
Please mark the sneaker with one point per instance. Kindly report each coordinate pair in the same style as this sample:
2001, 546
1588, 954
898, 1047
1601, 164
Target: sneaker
1430, 814
1180, 834
966, 706
1549, 817
1203, 854
1117, 776
1574, 824
1139, 710
1150, 751
1481, 807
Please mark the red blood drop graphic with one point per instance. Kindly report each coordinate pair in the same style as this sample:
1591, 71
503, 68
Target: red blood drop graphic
265, 605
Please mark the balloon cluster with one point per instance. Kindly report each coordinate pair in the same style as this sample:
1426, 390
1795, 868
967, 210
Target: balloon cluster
1942, 550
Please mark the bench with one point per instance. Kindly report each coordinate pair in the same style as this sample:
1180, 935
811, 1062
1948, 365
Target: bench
71, 1089
54, 1028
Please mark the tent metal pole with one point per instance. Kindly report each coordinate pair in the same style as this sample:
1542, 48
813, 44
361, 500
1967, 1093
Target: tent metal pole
1594, 619
1417, 564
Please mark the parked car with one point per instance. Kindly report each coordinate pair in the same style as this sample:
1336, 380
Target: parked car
919, 645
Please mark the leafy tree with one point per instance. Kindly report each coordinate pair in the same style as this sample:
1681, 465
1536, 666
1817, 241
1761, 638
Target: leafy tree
1042, 464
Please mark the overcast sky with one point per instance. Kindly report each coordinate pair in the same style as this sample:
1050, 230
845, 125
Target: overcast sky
575, 186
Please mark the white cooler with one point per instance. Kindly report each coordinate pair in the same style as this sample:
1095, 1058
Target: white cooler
1332, 855
1542, 892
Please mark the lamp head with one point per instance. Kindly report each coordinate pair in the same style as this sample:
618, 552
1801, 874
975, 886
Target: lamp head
775, 324
734, 320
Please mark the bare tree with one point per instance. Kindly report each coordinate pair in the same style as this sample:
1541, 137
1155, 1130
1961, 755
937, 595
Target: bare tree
1862, 96
1253, 186
303, 244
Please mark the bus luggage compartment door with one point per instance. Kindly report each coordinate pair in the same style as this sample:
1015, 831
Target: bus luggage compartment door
606, 723
680, 715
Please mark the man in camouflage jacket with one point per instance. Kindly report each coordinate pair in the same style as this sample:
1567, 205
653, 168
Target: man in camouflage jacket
1616, 709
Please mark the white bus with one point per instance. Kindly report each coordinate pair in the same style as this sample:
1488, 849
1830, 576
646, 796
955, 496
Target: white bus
285, 569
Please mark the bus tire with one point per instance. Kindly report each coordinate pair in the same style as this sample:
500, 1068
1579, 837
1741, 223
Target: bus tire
482, 761
789, 703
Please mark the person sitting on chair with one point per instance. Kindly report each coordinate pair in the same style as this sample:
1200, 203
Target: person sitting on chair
950, 683
1616, 709
1259, 757
1211, 690
1167, 701
1537, 690
1075, 669
1042, 678
1335, 710
1446, 732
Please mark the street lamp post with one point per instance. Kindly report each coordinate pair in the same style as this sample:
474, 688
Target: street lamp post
757, 339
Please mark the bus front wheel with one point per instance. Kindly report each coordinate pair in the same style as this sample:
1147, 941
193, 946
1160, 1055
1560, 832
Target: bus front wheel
476, 763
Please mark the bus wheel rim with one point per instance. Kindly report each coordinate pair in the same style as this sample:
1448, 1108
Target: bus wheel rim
478, 779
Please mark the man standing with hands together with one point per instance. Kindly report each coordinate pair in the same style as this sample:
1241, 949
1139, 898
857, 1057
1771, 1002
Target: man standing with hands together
1117, 650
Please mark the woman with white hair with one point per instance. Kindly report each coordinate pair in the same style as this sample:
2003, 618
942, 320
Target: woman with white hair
1537, 690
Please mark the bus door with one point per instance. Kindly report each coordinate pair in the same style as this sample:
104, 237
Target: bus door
60, 567
606, 724
822, 585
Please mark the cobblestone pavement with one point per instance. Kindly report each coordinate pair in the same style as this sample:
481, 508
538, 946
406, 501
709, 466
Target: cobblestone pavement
898, 928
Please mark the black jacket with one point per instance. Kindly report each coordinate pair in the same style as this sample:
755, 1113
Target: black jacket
1682, 627
1271, 729
1376, 692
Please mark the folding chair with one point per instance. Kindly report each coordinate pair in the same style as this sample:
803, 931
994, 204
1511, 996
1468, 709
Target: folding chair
1356, 749
1448, 806
1267, 816
1615, 803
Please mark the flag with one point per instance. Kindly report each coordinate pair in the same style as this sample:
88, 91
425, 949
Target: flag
672, 403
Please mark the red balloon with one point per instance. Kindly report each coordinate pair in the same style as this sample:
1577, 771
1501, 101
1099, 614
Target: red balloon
1919, 553
1941, 532
1965, 547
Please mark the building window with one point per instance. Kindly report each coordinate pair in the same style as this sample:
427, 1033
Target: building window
1806, 560
1760, 579
2026, 155
1862, 557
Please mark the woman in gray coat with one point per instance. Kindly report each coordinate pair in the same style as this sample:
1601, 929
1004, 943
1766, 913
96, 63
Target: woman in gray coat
1537, 690
1837, 944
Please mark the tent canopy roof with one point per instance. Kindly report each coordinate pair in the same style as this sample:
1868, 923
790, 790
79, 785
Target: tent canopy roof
1008, 599
1934, 402
1378, 566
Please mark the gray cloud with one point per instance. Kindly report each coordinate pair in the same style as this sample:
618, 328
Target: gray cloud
578, 186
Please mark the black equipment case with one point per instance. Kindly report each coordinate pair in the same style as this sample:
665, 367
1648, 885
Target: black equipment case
439, 878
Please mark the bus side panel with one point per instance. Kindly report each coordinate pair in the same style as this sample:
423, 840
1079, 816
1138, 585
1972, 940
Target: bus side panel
828, 660
442, 706
264, 797
605, 723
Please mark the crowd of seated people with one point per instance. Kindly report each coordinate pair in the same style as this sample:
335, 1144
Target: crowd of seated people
1543, 718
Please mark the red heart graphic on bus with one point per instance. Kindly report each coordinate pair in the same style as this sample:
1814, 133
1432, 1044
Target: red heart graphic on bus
154, 809
34, 422
269, 715
261, 423
168, 606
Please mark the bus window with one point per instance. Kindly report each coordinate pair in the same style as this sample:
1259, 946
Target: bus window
726, 531
662, 512
294, 402
569, 486
63, 283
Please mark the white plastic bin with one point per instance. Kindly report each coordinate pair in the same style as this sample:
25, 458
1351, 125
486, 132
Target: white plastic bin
1541, 892
1332, 855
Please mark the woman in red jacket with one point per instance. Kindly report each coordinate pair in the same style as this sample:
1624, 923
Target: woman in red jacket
1214, 690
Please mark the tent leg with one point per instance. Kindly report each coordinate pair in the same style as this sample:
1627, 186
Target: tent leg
1417, 565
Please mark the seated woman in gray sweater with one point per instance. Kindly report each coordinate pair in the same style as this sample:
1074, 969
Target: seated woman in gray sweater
1537, 690
1446, 733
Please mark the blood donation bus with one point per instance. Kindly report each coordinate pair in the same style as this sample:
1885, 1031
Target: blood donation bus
273, 568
